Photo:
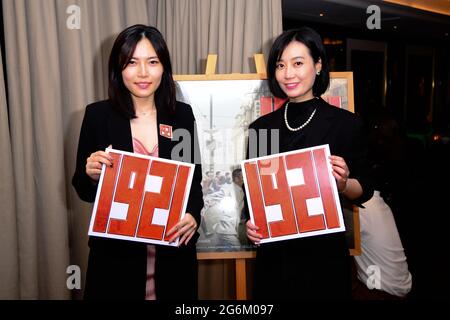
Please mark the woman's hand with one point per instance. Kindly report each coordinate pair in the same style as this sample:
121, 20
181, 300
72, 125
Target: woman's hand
184, 229
340, 172
94, 163
252, 233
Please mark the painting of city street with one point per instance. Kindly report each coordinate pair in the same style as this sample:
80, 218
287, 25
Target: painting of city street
223, 110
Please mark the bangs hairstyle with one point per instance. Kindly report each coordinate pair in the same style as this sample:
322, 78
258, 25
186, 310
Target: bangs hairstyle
312, 40
121, 54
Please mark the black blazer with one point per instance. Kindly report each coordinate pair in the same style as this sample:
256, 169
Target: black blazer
117, 268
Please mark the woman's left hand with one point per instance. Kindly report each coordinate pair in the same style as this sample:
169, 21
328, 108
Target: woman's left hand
340, 172
184, 229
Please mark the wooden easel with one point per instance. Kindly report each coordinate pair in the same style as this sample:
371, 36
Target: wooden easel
210, 73
240, 258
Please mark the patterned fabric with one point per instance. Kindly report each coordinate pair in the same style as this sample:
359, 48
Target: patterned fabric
150, 293
139, 147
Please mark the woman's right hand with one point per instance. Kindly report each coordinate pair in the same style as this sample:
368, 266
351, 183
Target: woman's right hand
94, 164
252, 233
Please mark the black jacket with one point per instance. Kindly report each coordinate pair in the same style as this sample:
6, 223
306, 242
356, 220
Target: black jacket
311, 267
117, 268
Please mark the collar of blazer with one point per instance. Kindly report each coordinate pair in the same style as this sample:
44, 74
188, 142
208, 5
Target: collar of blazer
119, 133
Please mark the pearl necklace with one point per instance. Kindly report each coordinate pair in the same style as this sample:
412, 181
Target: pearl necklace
303, 125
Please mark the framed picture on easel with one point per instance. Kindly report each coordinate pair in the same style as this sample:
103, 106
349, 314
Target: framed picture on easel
223, 110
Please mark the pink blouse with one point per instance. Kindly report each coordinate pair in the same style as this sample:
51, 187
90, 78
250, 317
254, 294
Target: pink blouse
150, 293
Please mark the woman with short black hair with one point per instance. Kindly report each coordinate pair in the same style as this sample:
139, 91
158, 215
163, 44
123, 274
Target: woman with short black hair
316, 267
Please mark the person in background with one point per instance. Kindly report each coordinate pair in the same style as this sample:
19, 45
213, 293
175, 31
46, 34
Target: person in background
317, 267
238, 182
224, 216
228, 178
382, 266
238, 186
141, 100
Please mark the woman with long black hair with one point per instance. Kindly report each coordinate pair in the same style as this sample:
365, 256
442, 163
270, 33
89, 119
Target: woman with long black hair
141, 100
316, 267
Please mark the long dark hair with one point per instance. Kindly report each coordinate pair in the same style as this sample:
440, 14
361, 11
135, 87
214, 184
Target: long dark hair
312, 40
121, 54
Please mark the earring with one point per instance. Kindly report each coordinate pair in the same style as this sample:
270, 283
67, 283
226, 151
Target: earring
318, 73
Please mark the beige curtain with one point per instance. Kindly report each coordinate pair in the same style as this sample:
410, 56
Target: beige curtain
53, 71
9, 274
233, 29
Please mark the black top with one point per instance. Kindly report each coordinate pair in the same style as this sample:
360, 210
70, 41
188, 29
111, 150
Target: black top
297, 115
311, 267
117, 268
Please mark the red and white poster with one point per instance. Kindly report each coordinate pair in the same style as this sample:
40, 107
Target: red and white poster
293, 194
140, 198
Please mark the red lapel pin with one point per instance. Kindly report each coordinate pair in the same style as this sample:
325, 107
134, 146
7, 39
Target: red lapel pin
165, 130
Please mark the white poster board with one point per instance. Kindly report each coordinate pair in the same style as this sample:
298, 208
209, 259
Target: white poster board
293, 194
140, 198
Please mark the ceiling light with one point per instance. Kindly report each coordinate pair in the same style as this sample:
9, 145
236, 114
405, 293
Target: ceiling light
436, 6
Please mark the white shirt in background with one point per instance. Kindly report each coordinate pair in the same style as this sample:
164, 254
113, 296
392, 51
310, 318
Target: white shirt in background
382, 250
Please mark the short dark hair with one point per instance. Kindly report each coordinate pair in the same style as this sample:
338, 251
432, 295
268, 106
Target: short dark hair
236, 173
312, 40
121, 54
